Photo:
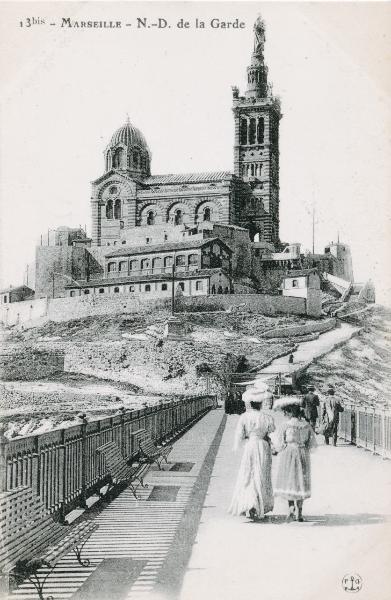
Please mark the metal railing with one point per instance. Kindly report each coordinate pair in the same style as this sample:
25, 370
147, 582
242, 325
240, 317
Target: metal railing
367, 427
63, 467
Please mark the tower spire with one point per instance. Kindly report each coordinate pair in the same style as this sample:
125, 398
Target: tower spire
257, 70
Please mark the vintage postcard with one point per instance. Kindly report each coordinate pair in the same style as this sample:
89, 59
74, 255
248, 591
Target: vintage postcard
195, 301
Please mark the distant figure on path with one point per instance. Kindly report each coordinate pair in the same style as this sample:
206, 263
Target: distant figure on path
310, 405
296, 439
331, 409
253, 494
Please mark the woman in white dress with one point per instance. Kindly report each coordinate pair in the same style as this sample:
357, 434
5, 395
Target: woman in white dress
253, 494
296, 439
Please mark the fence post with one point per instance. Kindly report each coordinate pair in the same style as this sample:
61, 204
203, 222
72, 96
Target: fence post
374, 430
3, 459
122, 430
384, 433
62, 458
83, 494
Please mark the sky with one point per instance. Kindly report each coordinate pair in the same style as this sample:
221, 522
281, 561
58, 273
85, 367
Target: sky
65, 91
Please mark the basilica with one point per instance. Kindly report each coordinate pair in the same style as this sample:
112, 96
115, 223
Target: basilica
218, 231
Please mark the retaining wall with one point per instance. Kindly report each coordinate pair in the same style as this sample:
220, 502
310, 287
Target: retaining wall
35, 312
19, 313
64, 309
28, 363
293, 330
257, 303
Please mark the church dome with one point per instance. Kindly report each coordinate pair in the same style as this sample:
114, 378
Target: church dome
129, 136
128, 151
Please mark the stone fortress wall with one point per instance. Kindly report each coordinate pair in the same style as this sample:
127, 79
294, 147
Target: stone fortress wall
33, 313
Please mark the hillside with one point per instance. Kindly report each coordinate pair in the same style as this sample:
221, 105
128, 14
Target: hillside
122, 361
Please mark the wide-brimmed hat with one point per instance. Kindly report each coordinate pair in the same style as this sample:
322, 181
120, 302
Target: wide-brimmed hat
286, 402
253, 395
257, 384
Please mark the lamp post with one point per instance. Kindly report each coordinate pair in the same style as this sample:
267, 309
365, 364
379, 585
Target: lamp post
173, 288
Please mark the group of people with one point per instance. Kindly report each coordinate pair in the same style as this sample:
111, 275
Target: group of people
322, 416
254, 493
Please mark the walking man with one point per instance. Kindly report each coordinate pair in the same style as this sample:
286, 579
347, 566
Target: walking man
331, 410
310, 406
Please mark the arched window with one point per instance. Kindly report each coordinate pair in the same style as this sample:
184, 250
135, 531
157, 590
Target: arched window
178, 219
243, 131
116, 290
117, 209
295, 283
168, 261
147, 288
252, 131
207, 214
86, 291
109, 209
118, 158
72, 294
111, 267
193, 259
226, 291
220, 289
164, 287
181, 286
213, 289
150, 218
101, 290
180, 260
157, 263
133, 265
261, 130
145, 263
131, 288
199, 286
123, 266
136, 160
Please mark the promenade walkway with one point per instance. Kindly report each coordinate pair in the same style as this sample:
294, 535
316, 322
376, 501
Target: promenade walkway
309, 351
179, 542
346, 530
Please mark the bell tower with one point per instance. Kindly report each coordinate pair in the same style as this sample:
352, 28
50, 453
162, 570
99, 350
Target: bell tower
256, 154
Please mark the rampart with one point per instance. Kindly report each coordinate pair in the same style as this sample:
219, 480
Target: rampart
19, 313
257, 303
36, 312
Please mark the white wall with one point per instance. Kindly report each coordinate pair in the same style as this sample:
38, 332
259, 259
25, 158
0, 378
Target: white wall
299, 292
23, 312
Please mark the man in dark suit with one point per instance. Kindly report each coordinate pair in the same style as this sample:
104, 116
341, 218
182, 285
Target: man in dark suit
310, 406
331, 410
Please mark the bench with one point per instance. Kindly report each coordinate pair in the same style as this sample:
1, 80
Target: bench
152, 453
120, 471
30, 538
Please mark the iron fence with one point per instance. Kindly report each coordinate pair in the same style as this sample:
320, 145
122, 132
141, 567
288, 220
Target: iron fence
367, 427
63, 467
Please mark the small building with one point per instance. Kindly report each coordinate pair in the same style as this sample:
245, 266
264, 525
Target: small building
299, 283
304, 283
16, 294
